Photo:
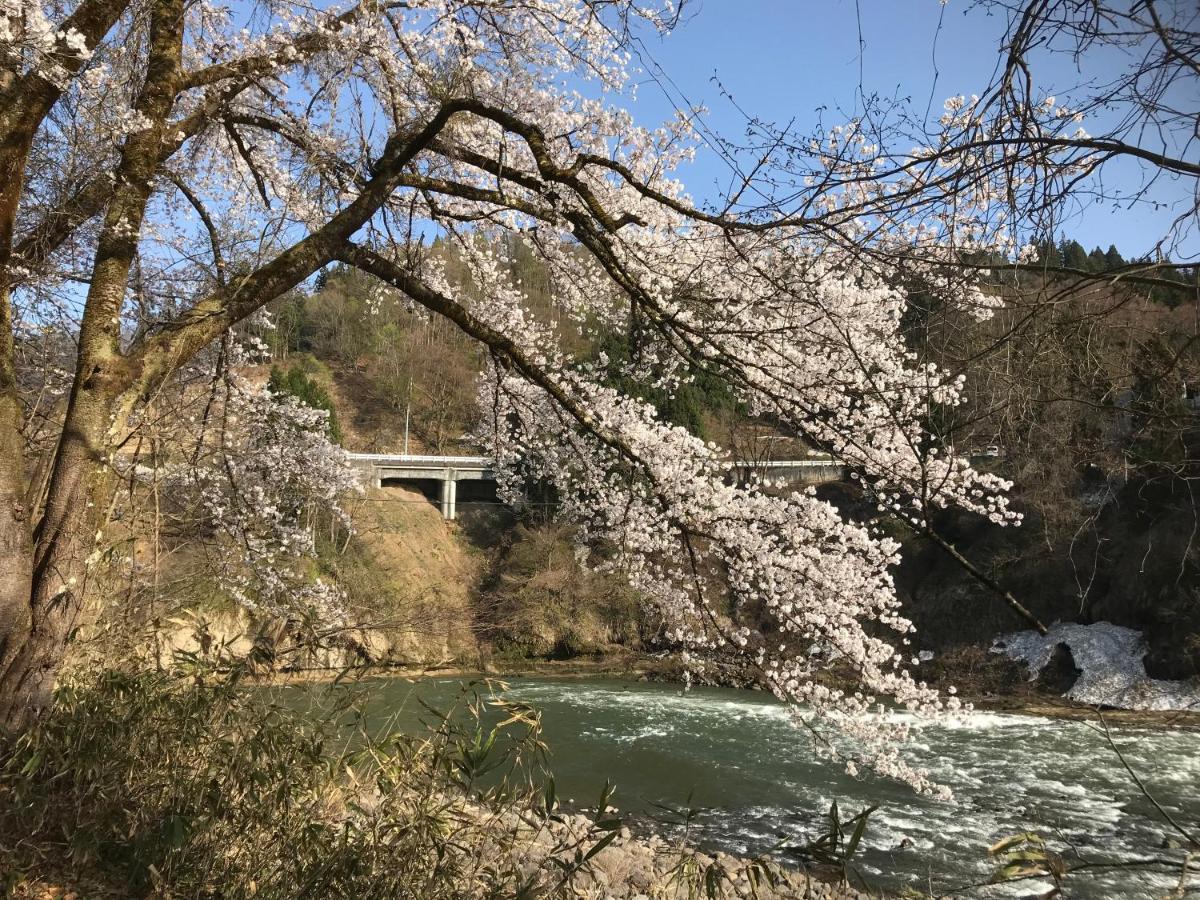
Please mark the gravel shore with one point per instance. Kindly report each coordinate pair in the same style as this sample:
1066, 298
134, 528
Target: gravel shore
637, 867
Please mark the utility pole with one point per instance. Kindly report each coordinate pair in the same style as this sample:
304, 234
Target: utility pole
407, 412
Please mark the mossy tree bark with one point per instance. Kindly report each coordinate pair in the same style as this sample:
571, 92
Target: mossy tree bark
50, 562
16, 537
49, 546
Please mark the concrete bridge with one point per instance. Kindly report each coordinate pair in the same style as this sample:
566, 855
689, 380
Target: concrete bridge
448, 471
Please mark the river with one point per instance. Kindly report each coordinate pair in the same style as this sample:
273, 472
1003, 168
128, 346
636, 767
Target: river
756, 780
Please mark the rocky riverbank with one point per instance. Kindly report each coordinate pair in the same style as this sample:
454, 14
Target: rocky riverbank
635, 867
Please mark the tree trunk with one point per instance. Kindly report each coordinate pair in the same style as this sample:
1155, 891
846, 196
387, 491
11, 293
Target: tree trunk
44, 568
67, 538
16, 537
66, 547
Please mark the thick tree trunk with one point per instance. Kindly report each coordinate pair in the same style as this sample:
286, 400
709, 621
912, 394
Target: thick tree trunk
16, 537
66, 550
16, 540
42, 576
44, 569
67, 538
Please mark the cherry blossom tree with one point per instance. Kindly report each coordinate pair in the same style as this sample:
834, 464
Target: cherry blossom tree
260, 484
168, 168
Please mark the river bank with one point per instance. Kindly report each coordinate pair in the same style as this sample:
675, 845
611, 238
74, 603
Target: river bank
990, 684
632, 867
637, 866
724, 770
718, 780
528, 841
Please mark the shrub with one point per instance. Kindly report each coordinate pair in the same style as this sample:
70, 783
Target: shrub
544, 602
190, 784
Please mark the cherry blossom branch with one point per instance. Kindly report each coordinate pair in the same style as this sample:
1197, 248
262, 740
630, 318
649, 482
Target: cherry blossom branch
177, 341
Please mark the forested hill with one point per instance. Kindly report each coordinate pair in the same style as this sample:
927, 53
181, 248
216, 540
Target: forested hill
1090, 405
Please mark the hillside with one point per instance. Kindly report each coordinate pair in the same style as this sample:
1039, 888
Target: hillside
410, 578
1103, 540
1108, 531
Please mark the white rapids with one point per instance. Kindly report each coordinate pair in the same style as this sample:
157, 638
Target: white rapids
750, 783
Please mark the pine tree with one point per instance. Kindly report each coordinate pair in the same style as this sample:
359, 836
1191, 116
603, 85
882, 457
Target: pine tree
1073, 255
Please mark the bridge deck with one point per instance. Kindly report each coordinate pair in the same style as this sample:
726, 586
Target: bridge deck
412, 460
401, 460
449, 470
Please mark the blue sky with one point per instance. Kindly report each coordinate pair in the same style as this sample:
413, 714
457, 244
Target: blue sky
785, 59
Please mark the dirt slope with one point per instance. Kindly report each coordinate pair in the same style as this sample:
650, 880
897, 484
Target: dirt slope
410, 575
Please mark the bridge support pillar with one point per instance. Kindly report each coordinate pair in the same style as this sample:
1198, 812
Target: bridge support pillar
449, 498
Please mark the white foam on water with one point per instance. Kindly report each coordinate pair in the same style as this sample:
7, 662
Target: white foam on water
1011, 773
678, 702
641, 734
972, 721
1060, 788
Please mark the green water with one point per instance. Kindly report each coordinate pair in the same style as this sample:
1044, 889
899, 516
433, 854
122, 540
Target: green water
758, 782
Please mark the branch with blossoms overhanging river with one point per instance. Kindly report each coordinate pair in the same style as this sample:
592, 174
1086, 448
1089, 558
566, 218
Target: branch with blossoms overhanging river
679, 484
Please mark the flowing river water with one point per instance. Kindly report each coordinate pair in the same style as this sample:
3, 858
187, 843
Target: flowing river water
756, 781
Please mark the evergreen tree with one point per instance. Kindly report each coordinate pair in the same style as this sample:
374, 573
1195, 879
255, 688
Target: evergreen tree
295, 383
1048, 254
1073, 255
685, 406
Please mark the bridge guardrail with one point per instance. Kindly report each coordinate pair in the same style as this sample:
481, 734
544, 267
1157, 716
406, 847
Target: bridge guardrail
486, 461
411, 459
